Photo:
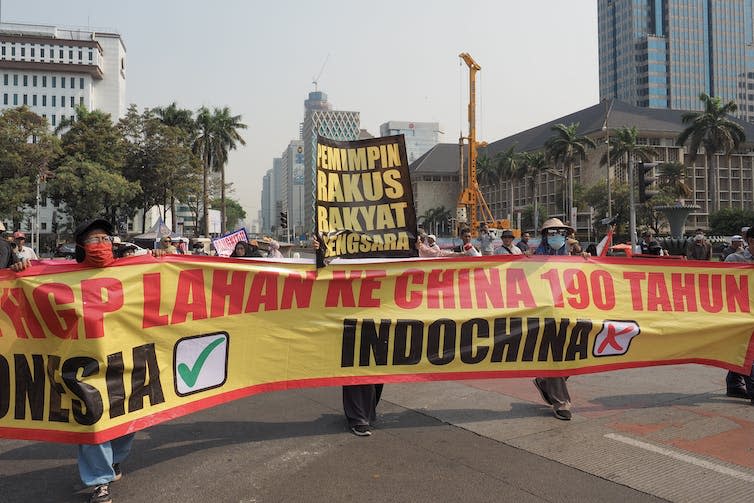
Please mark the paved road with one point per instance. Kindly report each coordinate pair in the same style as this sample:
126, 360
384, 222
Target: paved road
665, 433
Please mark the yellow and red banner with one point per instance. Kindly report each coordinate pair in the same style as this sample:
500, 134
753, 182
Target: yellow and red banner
87, 354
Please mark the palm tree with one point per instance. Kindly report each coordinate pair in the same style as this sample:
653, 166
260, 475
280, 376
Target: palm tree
173, 116
217, 135
227, 128
533, 165
713, 130
673, 177
509, 168
566, 147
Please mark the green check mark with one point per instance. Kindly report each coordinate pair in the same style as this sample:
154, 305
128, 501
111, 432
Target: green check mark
190, 375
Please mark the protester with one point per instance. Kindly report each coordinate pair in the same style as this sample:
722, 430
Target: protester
23, 252
244, 249
508, 248
166, 245
99, 464
523, 243
198, 248
699, 248
126, 251
428, 247
592, 250
740, 385
554, 390
274, 250
485, 240
7, 254
359, 400
648, 245
466, 248
736, 246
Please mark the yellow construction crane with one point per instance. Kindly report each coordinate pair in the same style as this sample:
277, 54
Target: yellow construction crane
471, 197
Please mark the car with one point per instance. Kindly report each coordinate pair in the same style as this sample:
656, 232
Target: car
66, 250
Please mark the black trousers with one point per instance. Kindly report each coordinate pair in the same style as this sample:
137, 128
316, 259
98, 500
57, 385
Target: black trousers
360, 403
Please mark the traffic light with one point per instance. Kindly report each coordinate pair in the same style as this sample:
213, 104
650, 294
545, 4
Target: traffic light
283, 219
645, 179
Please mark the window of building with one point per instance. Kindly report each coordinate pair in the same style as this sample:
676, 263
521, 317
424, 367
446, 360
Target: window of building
44, 80
44, 100
81, 101
13, 50
23, 51
26, 99
3, 51
5, 79
72, 118
73, 104
54, 122
34, 80
15, 79
54, 81
15, 99
32, 52
81, 82
81, 55
43, 225
26, 80
62, 102
91, 55
33, 100
41, 52
70, 55
5, 98
62, 82
60, 54
54, 100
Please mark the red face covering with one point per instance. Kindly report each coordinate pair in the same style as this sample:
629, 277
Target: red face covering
98, 255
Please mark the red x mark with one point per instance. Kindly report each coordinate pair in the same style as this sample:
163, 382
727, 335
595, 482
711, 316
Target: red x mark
610, 338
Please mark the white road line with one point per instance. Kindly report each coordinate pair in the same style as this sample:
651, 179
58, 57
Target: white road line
683, 457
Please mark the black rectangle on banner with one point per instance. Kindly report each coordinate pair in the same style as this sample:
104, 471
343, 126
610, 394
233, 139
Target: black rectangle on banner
365, 205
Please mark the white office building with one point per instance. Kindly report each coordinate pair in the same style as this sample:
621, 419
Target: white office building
52, 70
420, 136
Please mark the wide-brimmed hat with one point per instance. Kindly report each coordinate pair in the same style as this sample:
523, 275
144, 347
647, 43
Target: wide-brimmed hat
19, 235
736, 238
507, 233
555, 223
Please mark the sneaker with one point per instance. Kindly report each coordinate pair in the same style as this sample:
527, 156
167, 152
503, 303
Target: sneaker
118, 473
361, 430
563, 414
737, 393
101, 494
542, 392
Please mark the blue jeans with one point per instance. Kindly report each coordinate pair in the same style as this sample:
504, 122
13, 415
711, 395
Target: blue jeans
96, 461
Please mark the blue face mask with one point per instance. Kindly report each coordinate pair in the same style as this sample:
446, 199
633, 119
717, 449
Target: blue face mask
556, 242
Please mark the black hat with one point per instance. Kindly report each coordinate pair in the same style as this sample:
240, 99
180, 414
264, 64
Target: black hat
84, 228
507, 233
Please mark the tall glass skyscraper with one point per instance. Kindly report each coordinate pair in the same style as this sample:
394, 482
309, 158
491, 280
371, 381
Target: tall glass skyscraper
664, 53
321, 119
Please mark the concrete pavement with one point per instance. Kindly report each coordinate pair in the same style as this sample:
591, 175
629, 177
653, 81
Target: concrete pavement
662, 433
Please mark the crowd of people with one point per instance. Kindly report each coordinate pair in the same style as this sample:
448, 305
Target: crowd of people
99, 464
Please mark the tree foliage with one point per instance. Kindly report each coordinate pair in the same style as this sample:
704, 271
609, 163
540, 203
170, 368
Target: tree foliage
27, 149
234, 212
729, 221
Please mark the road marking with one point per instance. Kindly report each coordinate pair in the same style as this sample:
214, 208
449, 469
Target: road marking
683, 457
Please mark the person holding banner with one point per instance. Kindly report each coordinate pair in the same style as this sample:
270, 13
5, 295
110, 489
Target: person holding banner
741, 385
508, 248
554, 390
466, 248
99, 464
359, 400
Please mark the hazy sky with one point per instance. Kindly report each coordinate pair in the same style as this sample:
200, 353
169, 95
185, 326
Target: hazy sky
389, 60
